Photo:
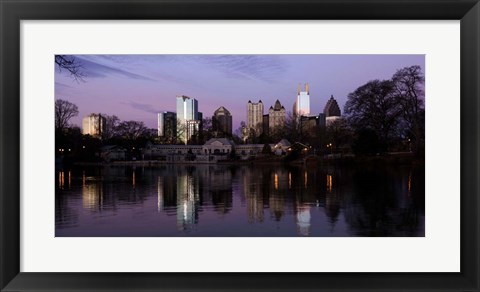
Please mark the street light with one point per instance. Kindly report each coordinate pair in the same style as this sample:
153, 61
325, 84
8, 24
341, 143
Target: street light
329, 145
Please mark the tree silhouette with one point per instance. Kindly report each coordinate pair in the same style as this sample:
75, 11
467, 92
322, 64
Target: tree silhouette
71, 64
374, 106
64, 111
409, 94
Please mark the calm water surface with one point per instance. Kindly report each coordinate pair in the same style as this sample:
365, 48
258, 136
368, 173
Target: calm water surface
221, 200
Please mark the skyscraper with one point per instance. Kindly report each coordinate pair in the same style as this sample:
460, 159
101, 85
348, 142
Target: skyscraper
255, 117
193, 128
187, 110
93, 125
331, 108
167, 124
265, 124
332, 111
301, 107
222, 122
276, 117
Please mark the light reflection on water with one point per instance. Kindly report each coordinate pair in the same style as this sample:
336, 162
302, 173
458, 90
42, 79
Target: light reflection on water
221, 200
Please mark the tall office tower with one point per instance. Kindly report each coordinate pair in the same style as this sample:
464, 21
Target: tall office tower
167, 124
187, 110
332, 111
301, 107
265, 124
93, 125
193, 128
331, 108
276, 117
255, 117
222, 122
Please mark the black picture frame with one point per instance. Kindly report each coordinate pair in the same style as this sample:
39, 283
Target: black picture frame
13, 11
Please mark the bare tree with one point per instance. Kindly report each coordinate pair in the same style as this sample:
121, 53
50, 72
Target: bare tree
64, 111
110, 128
241, 133
409, 93
207, 131
181, 133
71, 64
132, 130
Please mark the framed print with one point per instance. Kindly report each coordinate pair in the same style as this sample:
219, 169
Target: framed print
239, 146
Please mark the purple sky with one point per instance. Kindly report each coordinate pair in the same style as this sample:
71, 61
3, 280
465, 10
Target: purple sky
137, 87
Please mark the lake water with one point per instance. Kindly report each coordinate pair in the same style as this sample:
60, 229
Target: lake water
246, 200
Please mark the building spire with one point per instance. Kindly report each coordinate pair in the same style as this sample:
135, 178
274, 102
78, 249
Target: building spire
306, 88
299, 88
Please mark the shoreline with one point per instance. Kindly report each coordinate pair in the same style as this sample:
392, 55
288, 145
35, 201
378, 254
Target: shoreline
392, 159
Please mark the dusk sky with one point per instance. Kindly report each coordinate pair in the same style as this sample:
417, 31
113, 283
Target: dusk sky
137, 87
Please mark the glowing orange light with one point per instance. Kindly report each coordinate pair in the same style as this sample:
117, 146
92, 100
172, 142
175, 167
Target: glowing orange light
306, 178
329, 182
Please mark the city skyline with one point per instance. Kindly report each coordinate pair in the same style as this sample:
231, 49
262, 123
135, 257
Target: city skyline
138, 87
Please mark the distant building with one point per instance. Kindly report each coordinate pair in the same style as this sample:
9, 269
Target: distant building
214, 150
111, 153
265, 124
167, 124
301, 107
276, 117
255, 117
193, 128
281, 147
332, 111
222, 122
218, 146
313, 125
94, 125
332, 108
187, 110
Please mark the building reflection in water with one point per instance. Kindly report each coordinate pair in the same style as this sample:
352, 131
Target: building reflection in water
217, 186
303, 220
298, 201
160, 194
92, 194
332, 202
167, 190
187, 201
277, 195
253, 196
185, 192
